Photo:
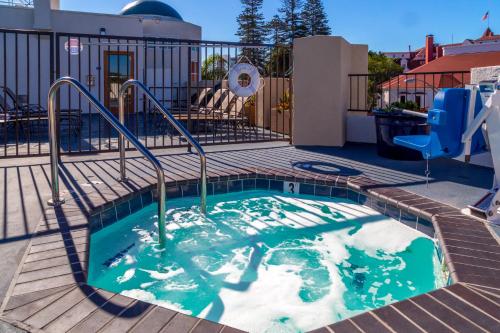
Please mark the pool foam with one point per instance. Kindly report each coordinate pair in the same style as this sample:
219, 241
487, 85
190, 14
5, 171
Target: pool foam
267, 262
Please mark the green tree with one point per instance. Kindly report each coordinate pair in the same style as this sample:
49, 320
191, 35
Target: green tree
290, 15
381, 69
252, 29
382, 66
214, 68
315, 19
275, 30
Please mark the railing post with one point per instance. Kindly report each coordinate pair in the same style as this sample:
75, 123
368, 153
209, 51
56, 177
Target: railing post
121, 140
188, 97
109, 117
56, 200
177, 125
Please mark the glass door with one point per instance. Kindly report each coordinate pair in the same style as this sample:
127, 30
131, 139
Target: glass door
118, 68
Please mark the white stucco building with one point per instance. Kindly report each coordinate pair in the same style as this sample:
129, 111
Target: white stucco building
146, 40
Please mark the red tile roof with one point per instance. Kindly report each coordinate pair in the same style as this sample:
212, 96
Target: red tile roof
451, 63
460, 62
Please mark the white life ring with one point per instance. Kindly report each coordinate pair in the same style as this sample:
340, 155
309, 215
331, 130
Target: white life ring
234, 76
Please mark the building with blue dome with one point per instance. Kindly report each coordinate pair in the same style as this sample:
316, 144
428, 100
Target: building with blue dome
140, 18
145, 8
89, 39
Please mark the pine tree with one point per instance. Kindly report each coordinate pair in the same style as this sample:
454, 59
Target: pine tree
275, 30
290, 15
314, 18
252, 29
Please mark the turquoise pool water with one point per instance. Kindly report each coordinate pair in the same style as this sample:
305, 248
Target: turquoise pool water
265, 261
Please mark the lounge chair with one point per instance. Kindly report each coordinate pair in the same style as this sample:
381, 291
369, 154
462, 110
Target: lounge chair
235, 115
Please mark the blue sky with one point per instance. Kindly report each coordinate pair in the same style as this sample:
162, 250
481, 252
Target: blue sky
387, 25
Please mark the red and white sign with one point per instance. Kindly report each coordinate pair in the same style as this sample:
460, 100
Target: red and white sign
74, 47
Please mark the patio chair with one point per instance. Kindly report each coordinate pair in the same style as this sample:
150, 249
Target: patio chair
9, 115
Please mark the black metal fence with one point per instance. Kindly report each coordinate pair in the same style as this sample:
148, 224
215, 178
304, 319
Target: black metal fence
188, 77
412, 90
26, 72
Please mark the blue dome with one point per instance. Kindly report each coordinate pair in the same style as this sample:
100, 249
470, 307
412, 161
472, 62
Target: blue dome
151, 7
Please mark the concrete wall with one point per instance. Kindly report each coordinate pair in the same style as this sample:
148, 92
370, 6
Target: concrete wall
321, 88
269, 97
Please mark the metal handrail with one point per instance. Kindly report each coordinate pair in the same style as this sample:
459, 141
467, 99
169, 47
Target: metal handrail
124, 133
174, 122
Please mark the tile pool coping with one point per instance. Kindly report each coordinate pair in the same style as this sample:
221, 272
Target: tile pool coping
469, 250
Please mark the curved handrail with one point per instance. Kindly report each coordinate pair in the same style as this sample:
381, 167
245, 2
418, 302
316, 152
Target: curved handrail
124, 133
177, 125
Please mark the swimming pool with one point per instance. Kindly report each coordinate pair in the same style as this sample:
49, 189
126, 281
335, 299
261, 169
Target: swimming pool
265, 261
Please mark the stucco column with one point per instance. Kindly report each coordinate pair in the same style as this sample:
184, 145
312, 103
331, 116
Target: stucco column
42, 14
321, 88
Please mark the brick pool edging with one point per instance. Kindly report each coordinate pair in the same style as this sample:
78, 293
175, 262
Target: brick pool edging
453, 230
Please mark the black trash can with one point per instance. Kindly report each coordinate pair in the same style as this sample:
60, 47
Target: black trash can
394, 123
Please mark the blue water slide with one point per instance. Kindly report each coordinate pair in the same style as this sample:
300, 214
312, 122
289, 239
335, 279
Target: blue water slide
448, 122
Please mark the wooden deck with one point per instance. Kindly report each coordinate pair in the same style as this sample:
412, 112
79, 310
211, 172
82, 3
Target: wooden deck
49, 292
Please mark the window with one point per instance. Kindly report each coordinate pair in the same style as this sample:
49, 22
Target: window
402, 99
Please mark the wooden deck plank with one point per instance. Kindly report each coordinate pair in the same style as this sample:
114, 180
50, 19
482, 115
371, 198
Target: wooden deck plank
395, 320
473, 246
445, 314
27, 310
180, 324
20, 300
476, 299
74, 315
490, 293
461, 259
488, 281
478, 317
423, 319
59, 237
126, 320
103, 315
154, 321
344, 326
473, 253
54, 262
466, 236
47, 273
205, 326
56, 245
368, 323
56, 253
57, 308
53, 282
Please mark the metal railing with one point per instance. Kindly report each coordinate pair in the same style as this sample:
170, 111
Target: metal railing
174, 122
189, 77
109, 117
418, 89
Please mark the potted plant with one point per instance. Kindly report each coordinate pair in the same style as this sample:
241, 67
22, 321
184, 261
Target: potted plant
391, 122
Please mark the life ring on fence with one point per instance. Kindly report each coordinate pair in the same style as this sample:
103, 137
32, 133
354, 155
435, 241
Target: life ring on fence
234, 80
